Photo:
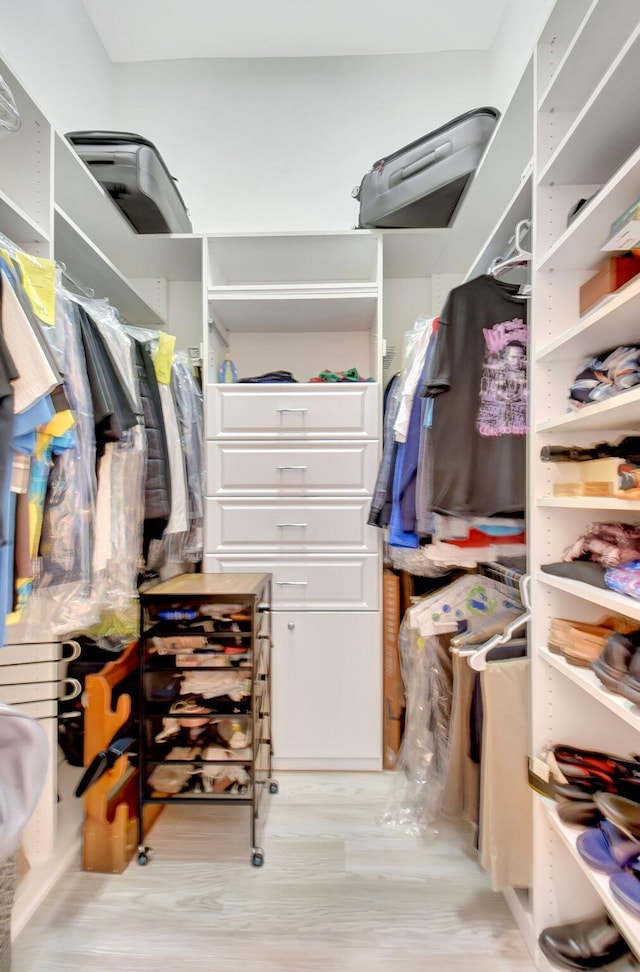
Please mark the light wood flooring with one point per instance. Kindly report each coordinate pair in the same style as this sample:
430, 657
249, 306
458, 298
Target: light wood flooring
337, 893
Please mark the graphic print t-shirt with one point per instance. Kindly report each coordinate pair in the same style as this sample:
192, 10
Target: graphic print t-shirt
478, 379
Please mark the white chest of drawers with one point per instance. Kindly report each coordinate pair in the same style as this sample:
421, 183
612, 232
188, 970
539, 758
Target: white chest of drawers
290, 472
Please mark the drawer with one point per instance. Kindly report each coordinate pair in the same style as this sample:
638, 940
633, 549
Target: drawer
328, 468
25, 654
45, 671
313, 582
281, 525
30, 692
293, 411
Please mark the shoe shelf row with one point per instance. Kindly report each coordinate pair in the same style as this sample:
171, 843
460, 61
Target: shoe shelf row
587, 146
205, 694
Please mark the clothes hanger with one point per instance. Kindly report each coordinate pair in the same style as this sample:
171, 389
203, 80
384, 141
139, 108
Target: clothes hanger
518, 256
477, 658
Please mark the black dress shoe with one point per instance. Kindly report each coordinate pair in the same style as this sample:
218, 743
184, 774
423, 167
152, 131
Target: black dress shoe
591, 944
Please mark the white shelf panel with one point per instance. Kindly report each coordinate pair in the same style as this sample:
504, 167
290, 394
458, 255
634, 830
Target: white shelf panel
610, 600
289, 258
518, 208
619, 314
82, 198
591, 684
598, 142
412, 252
588, 55
18, 225
564, 20
91, 268
587, 503
579, 246
627, 923
278, 311
621, 412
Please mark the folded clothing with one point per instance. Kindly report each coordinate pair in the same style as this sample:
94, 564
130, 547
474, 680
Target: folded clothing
624, 579
580, 570
605, 375
270, 377
330, 377
609, 544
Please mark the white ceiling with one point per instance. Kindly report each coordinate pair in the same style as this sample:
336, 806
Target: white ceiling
144, 30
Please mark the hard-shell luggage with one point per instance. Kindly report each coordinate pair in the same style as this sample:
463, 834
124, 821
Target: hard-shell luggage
421, 185
134, 174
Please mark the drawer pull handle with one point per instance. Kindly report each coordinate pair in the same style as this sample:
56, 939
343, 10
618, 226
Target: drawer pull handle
281, 468
292, 410
293, 583
280, 525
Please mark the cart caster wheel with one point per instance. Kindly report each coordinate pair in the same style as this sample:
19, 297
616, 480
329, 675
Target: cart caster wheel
144, 855
257, 858
273, 786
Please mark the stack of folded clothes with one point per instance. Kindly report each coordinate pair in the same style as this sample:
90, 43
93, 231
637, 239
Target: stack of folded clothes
605, 375
606, 555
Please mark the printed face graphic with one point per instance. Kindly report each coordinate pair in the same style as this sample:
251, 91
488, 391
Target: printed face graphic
514, 357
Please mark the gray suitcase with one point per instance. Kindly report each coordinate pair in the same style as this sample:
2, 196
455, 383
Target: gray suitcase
422, 184
134, 174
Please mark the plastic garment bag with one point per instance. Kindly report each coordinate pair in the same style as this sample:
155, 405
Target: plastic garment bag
9, 114
425, 635
64, 585
189, 412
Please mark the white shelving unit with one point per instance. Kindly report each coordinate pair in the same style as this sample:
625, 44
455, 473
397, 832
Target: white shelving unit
587, 62
51, 206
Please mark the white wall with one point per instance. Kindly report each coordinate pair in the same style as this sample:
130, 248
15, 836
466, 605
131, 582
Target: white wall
54, 50
278, 144
513, 46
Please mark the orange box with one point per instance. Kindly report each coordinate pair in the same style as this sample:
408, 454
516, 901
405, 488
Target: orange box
615, 272
393, 701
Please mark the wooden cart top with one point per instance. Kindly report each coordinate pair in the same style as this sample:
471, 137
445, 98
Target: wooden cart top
210, 585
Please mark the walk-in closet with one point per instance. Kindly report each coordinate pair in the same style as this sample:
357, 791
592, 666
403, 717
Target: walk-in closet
319, 530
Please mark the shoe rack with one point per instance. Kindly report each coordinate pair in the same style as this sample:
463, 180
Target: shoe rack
205, 695
587, 137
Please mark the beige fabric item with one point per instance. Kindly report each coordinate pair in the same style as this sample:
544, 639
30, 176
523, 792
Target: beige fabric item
506, 811
462, 787
37, 377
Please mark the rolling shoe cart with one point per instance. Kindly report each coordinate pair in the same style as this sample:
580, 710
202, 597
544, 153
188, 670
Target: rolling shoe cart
205, 720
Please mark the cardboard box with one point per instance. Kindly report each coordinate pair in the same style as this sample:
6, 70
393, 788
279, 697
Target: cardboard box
616, 272
393, 701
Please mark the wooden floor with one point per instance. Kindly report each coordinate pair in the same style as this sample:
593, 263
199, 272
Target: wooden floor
336, 894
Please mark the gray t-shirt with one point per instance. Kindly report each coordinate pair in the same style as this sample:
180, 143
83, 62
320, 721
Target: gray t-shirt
478, 378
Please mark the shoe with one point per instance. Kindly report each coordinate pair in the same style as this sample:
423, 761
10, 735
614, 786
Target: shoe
621, 812
581, 813
591, 944
613, 664
625, 888
629, 687
607, 849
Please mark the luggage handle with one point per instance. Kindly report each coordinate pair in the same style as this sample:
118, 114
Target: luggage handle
441, 152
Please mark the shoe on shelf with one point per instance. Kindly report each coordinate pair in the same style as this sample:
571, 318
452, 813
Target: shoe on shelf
580, 813
625, 888
565, 635
613, 664
607, 849
594, 943
621, 812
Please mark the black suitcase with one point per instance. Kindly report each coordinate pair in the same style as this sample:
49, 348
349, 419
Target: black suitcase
422, 184
134, 174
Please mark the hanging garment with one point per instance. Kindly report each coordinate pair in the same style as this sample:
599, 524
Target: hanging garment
380, 510
415, 347
462, 786
178, 517
37, 377
157, 482
478, 380
112, 408
506, 814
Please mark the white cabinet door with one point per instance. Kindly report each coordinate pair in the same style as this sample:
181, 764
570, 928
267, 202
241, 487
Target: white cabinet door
326, 690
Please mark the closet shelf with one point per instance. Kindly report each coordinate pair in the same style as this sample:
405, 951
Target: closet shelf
619, 314
611, 600
90, 267
579, 246
589, 683
596, 142
19, 226
518, 208
587, 56
292, 309
627, 923
588, 503
619, 413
